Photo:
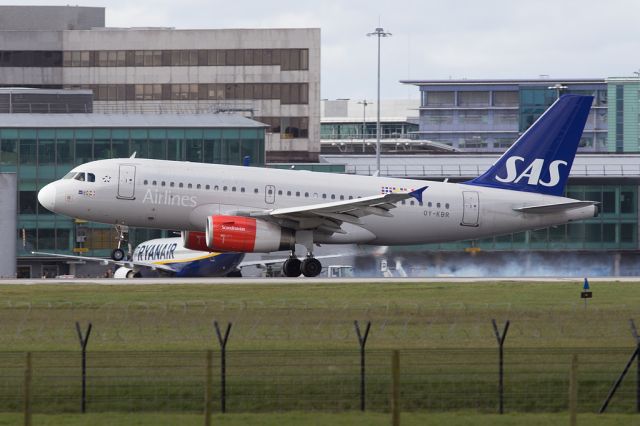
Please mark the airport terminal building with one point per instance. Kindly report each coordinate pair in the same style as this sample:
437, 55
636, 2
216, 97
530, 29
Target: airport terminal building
40, 148
271, 75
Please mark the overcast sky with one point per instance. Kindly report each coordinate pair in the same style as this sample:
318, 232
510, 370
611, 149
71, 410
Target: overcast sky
431, 39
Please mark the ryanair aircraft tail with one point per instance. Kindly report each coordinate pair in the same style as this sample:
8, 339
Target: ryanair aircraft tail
540, 160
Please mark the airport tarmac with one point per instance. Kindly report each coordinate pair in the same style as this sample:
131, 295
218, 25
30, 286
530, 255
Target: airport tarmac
300, 280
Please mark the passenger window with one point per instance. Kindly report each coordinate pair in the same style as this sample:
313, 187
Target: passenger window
429, 204
154, 183
233, 188
198, 186
297, 193
224, 188
342, 197
420, 203
324, 195
438, 205
279, 191
412, 203
180, 185
351, 197
404, 202
146, 182
306, 195
446, 206
216, 188
189, 186
163, 183
288, 193
172, 184
91, 177
270, 191
255, 190
333, 196
207, 187
242, 189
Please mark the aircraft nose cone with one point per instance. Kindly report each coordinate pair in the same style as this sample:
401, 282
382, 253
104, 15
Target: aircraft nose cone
47, 197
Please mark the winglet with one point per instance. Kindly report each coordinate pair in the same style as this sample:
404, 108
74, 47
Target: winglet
417, 194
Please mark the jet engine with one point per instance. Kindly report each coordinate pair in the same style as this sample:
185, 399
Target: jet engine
194, 240
246, 235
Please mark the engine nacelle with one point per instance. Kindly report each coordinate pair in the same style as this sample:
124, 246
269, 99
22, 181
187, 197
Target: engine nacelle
194, 240
247, 235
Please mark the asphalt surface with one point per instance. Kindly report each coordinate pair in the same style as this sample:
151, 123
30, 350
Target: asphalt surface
299, 280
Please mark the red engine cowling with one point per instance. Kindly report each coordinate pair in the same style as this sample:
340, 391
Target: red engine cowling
246, 235
194, 240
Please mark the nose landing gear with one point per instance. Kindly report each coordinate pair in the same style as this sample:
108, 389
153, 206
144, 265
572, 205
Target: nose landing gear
119, 253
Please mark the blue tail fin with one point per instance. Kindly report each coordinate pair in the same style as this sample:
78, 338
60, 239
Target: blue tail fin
540, 160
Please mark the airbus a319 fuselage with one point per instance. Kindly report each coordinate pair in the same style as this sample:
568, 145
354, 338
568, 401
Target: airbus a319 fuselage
182, 195
248, 209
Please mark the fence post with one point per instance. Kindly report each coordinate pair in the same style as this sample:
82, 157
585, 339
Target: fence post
83, 345
616, 384
395, 388
223, 364
634, 331
207, 388
27, 390
573, 391
500, 340
362, 340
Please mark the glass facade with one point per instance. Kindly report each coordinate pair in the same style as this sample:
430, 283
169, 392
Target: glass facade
287, 59
624, 114
615, 228
42, 155
355, 130
485, 116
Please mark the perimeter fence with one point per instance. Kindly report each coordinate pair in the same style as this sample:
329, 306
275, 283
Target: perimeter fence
535, 380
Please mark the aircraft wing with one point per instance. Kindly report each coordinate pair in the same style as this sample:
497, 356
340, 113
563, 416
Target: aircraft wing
124, 263
331, 215
266, 262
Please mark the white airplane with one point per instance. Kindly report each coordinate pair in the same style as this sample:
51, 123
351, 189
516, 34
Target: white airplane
245, 209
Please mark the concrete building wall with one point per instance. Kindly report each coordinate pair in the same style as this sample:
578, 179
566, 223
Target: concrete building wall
38, 18
8, 224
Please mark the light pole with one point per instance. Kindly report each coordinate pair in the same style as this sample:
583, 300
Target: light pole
379, 32
558, 88
364, 104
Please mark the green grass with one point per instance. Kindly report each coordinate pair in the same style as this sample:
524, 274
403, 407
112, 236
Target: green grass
309, 316
320, 419
293, 347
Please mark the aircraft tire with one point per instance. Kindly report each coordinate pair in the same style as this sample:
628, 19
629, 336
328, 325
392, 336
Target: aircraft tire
291, 267
117, 254
311, 267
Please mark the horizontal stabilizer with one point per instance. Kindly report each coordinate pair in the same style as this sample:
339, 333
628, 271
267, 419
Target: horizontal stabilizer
555, 208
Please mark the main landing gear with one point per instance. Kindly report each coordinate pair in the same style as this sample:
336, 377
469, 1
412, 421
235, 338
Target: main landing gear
119, 253
309, 266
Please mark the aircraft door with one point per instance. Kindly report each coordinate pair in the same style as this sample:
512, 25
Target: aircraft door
269, 194
126, 181
470, 209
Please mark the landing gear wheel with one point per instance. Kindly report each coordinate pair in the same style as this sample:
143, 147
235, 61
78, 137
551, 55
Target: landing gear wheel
311, 267
117, 254
291, 267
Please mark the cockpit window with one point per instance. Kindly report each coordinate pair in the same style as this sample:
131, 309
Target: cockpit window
80, 176
91, 177
69, 175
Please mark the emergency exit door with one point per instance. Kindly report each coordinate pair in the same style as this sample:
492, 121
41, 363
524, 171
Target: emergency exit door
470, 209
126, 182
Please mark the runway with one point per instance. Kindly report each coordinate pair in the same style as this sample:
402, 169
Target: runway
302, 280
